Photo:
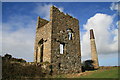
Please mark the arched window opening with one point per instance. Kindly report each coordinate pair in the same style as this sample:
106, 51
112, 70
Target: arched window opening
40, 49
70, 34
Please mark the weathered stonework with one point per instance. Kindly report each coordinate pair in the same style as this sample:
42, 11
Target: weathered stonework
93, 50
62, 29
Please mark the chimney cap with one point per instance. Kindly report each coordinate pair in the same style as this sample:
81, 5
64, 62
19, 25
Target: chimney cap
92, 34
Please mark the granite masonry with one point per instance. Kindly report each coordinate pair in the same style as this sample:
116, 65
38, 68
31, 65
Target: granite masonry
58, 42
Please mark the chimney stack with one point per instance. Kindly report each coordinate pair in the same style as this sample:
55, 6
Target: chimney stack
93, 50
92, 34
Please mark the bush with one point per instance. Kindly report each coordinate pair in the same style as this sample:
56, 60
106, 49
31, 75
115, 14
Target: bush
16, 70
87, 65
8, 56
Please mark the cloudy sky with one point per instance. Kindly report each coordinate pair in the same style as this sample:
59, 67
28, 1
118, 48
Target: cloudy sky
19, 24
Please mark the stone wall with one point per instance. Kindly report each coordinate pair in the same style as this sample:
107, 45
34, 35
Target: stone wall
41, 22
43, 33
70, 60
49, 36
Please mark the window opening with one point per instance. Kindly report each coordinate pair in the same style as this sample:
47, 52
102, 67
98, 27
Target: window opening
41, 53
69, 34
41, 47
36, 53
62, 48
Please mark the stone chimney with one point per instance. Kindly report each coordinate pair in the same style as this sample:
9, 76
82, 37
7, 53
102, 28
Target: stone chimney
94, 50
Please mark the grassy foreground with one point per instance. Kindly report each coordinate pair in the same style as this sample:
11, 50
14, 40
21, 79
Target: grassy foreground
110, 73
100, 73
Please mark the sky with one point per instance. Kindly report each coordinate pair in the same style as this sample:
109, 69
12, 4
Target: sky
19, 24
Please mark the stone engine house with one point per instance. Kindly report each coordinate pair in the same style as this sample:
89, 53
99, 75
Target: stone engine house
58, 42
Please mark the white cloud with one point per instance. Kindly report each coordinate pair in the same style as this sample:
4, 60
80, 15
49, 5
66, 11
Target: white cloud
18, 37
106, 40
19, 33
115, 6
45, 10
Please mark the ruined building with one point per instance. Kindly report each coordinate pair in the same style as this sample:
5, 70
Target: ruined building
93, 50
58, 42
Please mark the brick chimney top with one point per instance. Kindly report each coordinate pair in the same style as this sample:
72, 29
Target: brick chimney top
92, 34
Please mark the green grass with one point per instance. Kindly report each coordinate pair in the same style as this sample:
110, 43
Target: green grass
102, 73
110, 73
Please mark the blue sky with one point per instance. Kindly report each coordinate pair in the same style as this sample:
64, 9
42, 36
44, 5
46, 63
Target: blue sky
78, 9
19, 23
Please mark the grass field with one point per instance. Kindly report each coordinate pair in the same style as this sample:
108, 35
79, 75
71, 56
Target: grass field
101, 73
110, 73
